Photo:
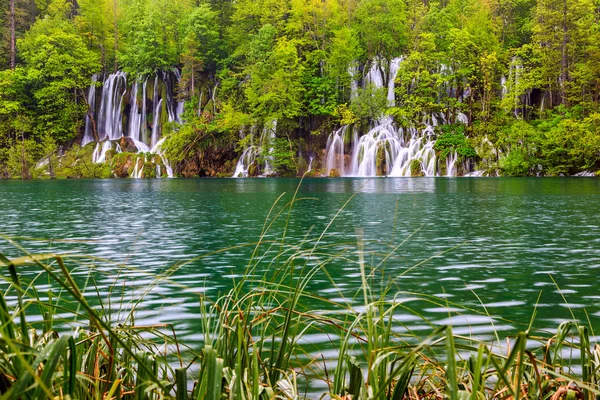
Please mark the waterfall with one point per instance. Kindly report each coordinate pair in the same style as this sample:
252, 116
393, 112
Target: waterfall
109, 118
252, 152
419, 148
383, 150
335, 151
375, 74
246, 160
88, 135
382, 138
99, 154
267, 139
155, 125
141, 146
157, 149
143, 126
117, 96
387, 149
353, 71
451, 164
139, 167
135, 118
394, 68
176, 106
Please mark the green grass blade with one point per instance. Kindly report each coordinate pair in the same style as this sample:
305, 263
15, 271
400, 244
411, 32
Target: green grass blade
181, 383
451, 368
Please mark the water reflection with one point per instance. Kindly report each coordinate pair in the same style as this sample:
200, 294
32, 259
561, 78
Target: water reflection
484, 249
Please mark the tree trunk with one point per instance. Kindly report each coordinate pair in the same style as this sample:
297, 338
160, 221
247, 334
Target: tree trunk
564, 61
13, 51
116, 26
24, 169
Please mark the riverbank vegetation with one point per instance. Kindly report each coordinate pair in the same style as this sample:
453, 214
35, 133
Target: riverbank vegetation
522, 76
65, 336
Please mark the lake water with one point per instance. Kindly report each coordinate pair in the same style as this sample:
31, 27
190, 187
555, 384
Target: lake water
477, 246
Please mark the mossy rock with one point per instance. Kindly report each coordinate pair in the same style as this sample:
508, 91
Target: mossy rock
127, 145
442, 167
253, 170
110, 154
334, 173
381, 169
415, 168
149, 170
122, 164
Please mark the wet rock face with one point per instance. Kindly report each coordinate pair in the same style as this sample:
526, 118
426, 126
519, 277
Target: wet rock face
415, 169
127, 145
253, 170
211, 162
381, 162
122, 165
190, 168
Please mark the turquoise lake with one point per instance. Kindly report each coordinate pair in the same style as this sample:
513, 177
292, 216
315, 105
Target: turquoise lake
486, 251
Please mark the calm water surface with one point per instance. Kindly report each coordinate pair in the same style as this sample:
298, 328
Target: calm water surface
515, 237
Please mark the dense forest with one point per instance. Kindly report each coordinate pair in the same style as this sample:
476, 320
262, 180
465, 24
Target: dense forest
100, 88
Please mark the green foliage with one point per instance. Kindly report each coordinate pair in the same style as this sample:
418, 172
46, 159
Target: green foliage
419, 82
77, 163
370, 103
282, 156
453, 140
274, 90
516, 163
321, 96
153, 33
184, 141
382, 27
59, 67
21, 159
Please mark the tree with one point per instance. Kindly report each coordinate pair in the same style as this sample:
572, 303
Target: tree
274, 90
58, 69
563, 31
96, 22
13, 40
382, 26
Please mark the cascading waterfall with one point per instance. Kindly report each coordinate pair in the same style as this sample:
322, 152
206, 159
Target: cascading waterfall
155, 125
124, 112
135, 118
252, 152
267, 140
386, 149
139, 166
157, 149
99, 154
109, 118
88, 135
143, 134
246, 160
335, 152
394, 68
419, 148
353, 71
451, 164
